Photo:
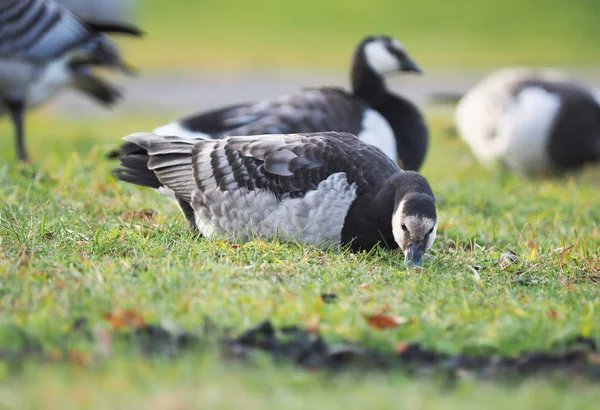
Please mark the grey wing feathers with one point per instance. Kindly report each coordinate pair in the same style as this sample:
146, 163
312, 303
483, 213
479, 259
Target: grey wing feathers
171, 161
287, 164
39, 29
305, 111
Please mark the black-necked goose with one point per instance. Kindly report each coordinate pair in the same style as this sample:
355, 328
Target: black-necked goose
44, 48
370, 111
534, 122
324, 188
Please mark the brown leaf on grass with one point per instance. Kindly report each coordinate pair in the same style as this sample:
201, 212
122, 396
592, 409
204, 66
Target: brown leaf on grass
552, 314
402, 347
381, 322
122, 319
79, 358
146, 215
55, 355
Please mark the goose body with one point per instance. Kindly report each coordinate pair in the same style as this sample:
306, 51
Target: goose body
45, 48
322, 188
534, 122
370, 111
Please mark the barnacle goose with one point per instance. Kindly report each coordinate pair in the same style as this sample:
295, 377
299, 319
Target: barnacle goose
324, 188
535, 122
44, 48
370, 111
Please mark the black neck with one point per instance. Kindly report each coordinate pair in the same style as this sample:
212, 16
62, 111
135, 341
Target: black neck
407, 122
410, 130
366, 84
369, 220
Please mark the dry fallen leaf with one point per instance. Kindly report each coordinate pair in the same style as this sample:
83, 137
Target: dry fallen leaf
402, 347
79, 358
144, 214
382, 322
124, 319
553, 314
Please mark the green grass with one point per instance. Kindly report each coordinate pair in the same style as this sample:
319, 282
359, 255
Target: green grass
225, 34
72, 244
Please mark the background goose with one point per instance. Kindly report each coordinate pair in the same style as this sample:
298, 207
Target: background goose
534, 122
326, 188
44, 48
370, 111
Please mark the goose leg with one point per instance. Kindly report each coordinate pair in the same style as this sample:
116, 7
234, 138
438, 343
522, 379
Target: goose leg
17, 114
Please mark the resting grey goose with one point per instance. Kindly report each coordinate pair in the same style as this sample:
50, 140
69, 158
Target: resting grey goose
44, 48
371, 112
322, 188
535, 122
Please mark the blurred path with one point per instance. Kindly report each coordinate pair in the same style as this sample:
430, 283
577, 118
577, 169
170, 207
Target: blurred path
175, 95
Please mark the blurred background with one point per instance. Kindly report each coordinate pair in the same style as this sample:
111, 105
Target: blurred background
198, 54
227, 34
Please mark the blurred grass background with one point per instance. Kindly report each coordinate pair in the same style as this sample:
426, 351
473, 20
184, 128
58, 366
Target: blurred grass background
241, 35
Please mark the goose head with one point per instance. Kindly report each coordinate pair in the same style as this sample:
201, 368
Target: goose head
414, 219
384, 55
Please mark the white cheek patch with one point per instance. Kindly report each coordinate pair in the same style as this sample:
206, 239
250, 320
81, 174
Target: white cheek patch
380, 59
431, 237
412, 222
397, 224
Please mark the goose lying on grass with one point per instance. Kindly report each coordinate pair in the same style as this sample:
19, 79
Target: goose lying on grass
323, 188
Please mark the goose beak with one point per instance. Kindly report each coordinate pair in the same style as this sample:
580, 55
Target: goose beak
413, 255
410, 66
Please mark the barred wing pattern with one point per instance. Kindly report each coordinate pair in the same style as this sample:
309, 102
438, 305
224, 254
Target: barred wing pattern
305, 111
38, 29
288, 165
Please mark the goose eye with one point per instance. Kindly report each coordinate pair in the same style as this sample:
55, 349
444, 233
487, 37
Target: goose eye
404, 228
430, 231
